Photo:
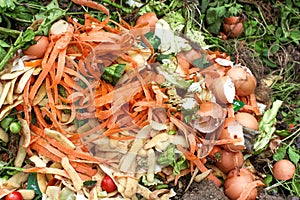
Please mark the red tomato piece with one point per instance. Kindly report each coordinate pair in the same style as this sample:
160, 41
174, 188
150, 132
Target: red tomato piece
108, 184
14, 196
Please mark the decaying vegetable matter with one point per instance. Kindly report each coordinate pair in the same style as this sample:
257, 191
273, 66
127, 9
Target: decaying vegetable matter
112, 110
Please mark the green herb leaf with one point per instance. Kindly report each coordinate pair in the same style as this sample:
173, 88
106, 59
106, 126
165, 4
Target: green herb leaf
180, 165
293, 155
169, 158
237, 105
280, 154
268, 180
89, 183
32, 184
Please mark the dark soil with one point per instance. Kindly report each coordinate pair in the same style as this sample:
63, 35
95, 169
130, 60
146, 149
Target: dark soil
205, 190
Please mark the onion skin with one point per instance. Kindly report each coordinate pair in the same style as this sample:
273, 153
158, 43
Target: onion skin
247, 120
148, 19
284, 170
236, 181
244, 82
229, 160
38, 50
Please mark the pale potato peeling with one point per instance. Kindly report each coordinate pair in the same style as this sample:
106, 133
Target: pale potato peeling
37, 161
52, 192
23, 80
42, 182
158, 138
25, 131
27, 194
12, 75
4, 111
1, 87
59, 137
4, 93
77, 182
10, 96
3, 135
131, 187
151, 165
16, 180
20, 157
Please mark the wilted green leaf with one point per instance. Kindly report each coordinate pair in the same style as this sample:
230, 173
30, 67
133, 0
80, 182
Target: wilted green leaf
268, 180
267, 126
293, 155
280, 153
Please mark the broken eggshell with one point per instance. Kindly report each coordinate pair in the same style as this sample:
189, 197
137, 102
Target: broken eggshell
210, 117
232, 129
237, 180
223, 89
247, 120
244, 82
229, 160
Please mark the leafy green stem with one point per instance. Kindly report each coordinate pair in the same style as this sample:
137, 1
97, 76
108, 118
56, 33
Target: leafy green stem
9, 54
264, 20
10, 32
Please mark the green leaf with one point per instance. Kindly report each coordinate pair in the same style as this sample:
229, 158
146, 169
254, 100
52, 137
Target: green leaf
3, 44
237, 105
293, 155
153, 39
268, 180
204, 5
2, 53
267, 126
89, 183
280, 154
295, 35
168, 157
214, 28
32, 184
201, 63
180, 165
113, 73
215, 14
235, 10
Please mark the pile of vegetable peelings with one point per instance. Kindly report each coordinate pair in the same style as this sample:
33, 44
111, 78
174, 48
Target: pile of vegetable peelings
107, 110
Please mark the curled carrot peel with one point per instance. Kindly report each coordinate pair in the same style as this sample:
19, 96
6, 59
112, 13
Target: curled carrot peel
192, 158
33, 63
